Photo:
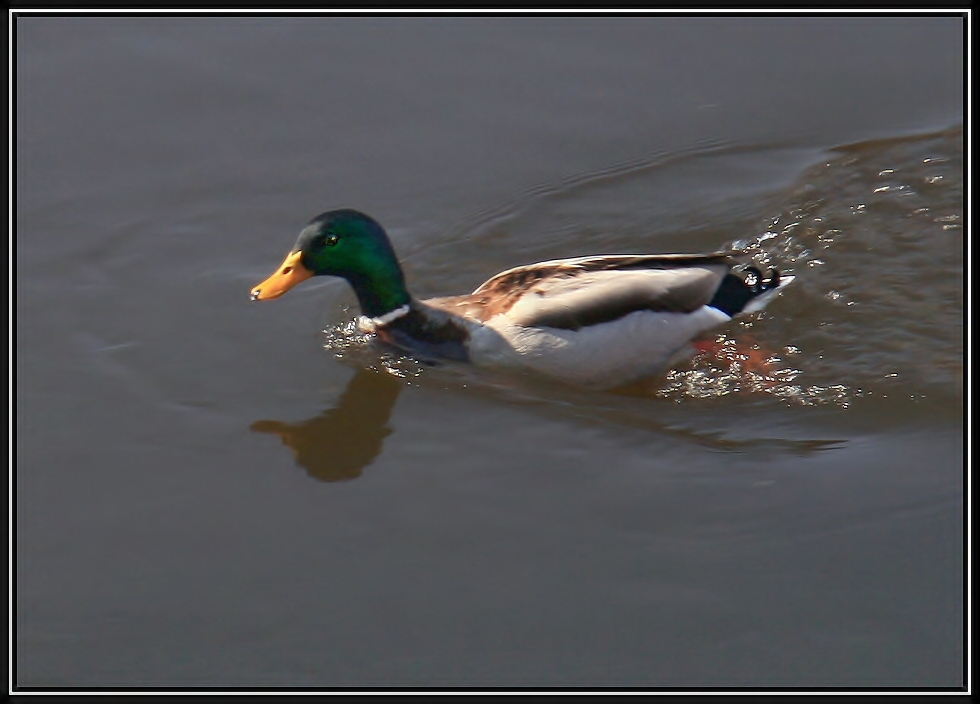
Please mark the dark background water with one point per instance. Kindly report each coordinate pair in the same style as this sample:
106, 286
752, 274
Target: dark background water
215, 493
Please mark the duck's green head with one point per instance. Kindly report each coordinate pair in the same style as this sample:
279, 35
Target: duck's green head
348, 244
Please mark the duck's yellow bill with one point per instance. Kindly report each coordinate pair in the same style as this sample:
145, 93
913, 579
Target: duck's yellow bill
290, 273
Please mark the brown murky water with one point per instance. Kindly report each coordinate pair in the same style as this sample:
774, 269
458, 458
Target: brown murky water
216, 493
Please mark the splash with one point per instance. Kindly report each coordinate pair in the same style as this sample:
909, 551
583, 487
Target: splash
348, 342
726, 366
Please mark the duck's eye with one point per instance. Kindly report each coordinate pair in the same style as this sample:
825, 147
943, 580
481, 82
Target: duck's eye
330, 240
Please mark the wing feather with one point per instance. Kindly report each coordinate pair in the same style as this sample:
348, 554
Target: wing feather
572, 293
601, 296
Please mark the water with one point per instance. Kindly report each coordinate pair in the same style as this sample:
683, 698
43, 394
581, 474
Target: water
216, 493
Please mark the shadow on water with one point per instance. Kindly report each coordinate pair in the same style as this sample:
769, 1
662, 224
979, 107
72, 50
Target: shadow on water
340, 442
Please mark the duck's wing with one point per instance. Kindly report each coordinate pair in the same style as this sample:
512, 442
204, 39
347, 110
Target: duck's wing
575, 293
520, 277
597, 297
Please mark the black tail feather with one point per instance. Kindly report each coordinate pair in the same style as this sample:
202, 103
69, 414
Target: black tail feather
735, 293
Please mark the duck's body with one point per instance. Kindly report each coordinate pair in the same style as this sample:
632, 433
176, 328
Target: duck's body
598, 321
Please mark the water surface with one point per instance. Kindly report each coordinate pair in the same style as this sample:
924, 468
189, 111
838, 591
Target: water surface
216, 493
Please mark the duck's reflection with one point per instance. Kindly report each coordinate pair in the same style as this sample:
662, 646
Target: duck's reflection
337, 444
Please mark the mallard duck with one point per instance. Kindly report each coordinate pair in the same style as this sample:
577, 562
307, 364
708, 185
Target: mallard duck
598, 321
